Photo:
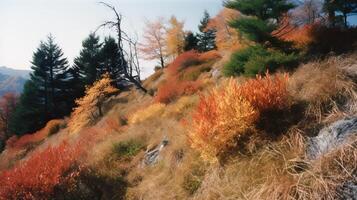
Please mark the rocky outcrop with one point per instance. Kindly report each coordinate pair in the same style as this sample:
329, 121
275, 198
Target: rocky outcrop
331, 137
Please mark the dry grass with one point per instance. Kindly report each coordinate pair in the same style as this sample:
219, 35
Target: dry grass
280, 171
323, 85
154, 110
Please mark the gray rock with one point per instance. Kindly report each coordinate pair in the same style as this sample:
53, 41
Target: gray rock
152, 156
331, 137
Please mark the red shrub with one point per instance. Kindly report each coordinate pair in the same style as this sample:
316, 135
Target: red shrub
266, 93
37, 177
30, 139
209, 56
174, 88
182, 61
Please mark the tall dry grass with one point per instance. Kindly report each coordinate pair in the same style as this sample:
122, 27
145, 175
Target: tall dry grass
325, 86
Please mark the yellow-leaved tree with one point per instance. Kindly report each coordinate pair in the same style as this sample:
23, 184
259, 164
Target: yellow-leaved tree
90, 106
227, 38
175, 37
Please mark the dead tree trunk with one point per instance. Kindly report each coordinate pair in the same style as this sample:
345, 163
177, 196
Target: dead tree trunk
128, 60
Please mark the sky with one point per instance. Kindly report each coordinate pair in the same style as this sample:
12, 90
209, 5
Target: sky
24, 23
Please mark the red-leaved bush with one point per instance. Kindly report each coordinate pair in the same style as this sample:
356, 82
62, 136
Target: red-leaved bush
31, 139
209, 56
174, 88
37, 177
266, 93
184, 60
228, 113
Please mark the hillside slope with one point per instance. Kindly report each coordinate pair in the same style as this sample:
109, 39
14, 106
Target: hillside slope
201, 136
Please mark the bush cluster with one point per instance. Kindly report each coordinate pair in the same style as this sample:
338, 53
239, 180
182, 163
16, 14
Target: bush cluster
228, 113
38, 177
257, 60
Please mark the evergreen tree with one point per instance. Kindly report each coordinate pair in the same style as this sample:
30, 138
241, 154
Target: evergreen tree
343, 8
109, 58
207, 36
45, 95
263, 17
190, 42
88, 61
29, 114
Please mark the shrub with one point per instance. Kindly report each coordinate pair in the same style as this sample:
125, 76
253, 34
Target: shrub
154, 110
28, 140
221, 117
332, 39
174, 88
183, 61
267, 93
209, 56
257, 60
37, 177
193, 73
127, 149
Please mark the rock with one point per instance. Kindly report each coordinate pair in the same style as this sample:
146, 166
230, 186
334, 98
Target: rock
331, 137
152, 156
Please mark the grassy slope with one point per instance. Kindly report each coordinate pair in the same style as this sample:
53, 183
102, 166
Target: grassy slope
322, 92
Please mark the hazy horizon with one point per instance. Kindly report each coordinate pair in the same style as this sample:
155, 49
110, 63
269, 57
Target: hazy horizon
26, 23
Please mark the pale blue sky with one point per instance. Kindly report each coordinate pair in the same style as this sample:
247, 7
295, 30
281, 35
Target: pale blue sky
24, 23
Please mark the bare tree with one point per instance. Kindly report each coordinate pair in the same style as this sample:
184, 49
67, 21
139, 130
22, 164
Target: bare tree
129, 68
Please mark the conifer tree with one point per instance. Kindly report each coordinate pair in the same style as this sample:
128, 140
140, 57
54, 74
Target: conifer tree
263, 17
88, 61
109, 58
207, 36
191, 41
45, 95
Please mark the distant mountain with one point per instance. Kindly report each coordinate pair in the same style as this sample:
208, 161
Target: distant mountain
15, 72
12, 80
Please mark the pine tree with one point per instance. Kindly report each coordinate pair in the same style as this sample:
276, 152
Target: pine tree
339, 10
190, 42
109, 58
88, 61
207, 36
263, 17
29, 114
45, 95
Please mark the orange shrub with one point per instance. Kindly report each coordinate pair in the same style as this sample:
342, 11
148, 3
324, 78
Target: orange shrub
301, 36
221, 117
184, 60
37, 177
209, 56
227, 113
266, 93
174, 88
31, 139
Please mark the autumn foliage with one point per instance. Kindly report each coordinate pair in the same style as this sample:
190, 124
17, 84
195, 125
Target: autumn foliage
266, 93
37, 177
31, 139
220, 117
227, 113
90, 105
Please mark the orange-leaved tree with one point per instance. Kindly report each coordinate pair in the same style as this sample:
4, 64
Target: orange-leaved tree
175, 37
90, 106
7, 107
227, 38
154, 45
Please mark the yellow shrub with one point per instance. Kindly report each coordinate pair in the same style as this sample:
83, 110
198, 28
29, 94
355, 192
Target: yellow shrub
154, 110
221, 117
